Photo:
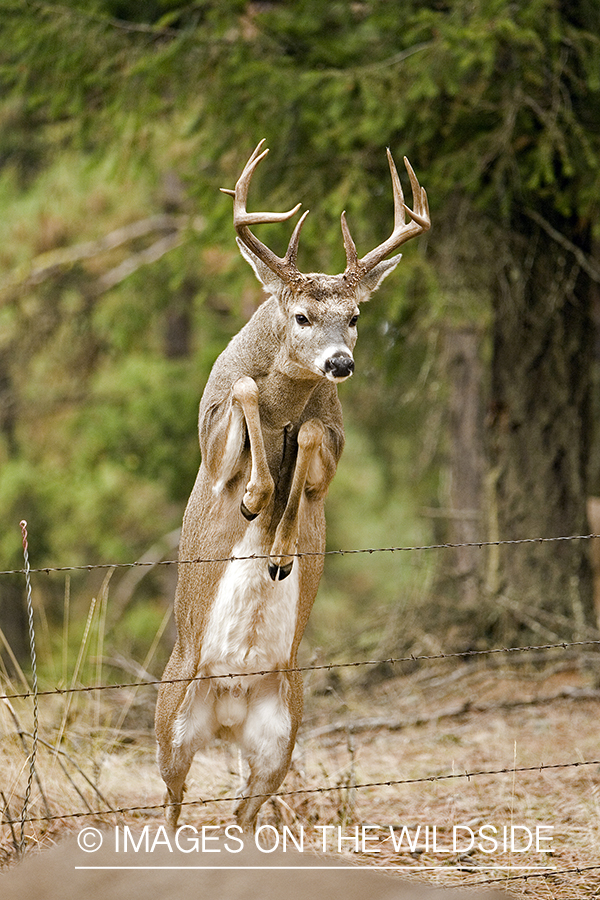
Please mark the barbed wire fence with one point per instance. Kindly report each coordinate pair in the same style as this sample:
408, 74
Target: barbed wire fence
324, 553
96, 814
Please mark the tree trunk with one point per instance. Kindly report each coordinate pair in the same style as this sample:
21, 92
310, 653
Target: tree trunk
463, 367
539, 437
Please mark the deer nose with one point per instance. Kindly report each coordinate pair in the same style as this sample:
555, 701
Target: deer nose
340, 365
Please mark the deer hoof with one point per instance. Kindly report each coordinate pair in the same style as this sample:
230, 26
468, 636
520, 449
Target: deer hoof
250, 516
278, 573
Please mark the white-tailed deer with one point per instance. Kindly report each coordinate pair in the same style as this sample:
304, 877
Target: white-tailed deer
271, 435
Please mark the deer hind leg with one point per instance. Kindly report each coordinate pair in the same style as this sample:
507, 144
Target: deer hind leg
185, 722
174, 767
267, 741
260, 487
310, 439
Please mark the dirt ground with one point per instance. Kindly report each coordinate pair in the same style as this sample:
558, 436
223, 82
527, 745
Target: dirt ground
444, 732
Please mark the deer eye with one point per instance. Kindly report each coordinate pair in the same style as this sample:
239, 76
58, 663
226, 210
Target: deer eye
353, 321
302, 320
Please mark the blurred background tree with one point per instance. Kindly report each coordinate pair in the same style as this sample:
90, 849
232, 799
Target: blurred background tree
470, 416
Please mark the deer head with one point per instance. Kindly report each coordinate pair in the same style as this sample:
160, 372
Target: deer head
318, 313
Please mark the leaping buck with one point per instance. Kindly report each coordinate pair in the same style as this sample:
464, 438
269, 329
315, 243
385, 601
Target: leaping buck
271, 435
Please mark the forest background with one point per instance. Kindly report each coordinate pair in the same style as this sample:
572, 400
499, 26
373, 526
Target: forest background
471, 415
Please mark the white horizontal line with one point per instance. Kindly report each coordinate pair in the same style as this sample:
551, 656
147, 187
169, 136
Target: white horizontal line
355, 868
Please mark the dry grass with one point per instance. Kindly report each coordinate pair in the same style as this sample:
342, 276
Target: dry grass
443, 738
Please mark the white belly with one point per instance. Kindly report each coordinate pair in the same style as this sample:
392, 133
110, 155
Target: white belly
253, 619
250, 628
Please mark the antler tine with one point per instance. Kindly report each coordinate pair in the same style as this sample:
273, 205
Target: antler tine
243, 182
292, 250
399, 204
403, 230
420, 216
242, 219
349, 245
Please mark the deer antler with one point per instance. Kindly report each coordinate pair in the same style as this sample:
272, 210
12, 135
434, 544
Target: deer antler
284, 266
403, 230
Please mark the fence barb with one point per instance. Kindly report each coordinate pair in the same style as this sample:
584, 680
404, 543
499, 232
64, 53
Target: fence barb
34, 741
396, 782
223, 559
390, 660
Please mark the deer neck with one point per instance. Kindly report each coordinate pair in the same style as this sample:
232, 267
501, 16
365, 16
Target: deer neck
284, 394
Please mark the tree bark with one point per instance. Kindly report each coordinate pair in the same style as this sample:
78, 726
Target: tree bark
462, 364
539, 433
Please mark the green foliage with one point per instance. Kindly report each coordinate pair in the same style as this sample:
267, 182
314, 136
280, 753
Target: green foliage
497, 105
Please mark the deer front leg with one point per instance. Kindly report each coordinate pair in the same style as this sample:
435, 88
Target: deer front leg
260, 487
313, 463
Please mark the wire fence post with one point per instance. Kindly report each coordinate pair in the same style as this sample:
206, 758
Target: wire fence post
34, 741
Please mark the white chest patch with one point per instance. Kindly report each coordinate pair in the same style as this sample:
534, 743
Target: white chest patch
253, 619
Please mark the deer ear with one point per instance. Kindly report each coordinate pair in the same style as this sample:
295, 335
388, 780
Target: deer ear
271, 282
371, 281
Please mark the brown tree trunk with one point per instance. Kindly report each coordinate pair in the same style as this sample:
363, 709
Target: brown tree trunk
539, 438
462, 365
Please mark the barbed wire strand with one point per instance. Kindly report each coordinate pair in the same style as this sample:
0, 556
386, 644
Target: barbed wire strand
204, 801
391, 660
34, 742
223, 559
573, 870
